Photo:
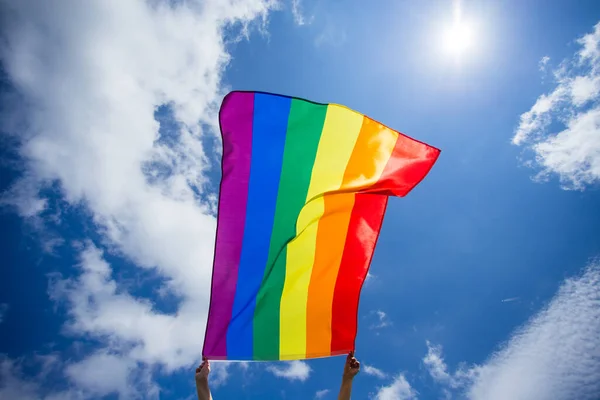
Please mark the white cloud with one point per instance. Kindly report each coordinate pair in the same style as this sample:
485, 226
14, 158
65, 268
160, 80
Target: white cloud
537, 118
572, 152
399, 389
293, 370
434, 362
96, 376
28, 204
556, 355
3, 310
89, 78
12, 384
102, 374
376, 372
321, 393
98, 308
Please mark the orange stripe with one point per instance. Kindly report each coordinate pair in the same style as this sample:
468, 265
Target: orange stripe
371, 153
371, 156
331, 238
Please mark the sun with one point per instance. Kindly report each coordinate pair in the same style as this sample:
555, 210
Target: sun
458, 39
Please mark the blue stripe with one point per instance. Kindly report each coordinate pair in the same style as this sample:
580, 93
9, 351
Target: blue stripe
268, 141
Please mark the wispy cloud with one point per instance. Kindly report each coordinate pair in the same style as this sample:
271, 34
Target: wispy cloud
544, 63
293, 370
398, 389
510, 299
437, 368
219, 372
572, 153
321, 393
298, 13
14, 385
556, 355
243, 365
376, 372
381, 321
435, 364
331, 35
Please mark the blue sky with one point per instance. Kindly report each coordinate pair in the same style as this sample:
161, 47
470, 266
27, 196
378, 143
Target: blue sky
485, 282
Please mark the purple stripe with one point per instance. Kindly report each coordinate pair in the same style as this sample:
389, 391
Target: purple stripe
235, 118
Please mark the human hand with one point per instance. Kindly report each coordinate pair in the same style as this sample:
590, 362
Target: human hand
202, 371
351, 367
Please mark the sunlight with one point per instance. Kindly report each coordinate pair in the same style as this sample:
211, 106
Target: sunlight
458, 39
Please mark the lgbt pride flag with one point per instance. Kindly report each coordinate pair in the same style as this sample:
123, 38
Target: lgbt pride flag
302, 199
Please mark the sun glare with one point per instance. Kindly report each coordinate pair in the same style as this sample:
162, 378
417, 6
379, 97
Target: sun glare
458, 39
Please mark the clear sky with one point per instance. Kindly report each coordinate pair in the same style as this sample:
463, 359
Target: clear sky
485, 282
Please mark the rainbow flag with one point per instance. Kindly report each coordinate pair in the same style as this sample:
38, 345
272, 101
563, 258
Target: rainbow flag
302, 199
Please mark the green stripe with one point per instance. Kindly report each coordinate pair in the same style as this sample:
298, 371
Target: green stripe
305, 125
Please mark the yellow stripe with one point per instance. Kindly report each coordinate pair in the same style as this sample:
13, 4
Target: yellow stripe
339, 136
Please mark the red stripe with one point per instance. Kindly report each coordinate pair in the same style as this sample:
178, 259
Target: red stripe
410, 162
363, 231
